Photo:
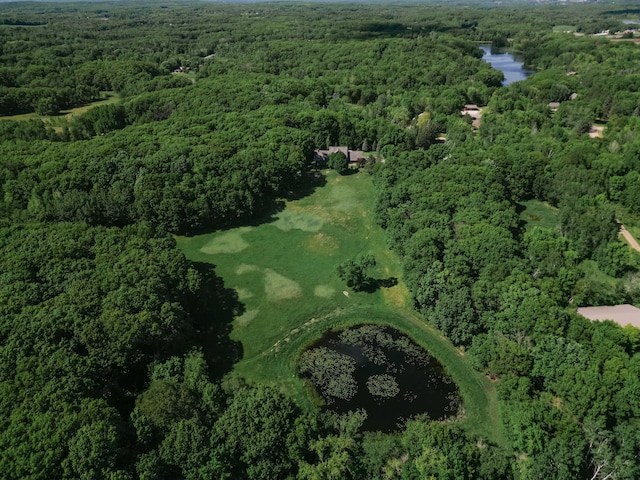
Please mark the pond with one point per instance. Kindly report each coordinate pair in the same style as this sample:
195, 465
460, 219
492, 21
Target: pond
381, 371
509, 64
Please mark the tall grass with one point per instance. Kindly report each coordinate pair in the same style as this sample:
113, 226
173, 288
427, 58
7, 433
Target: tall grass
539, 214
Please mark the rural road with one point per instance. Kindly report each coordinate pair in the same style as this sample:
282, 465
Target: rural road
629, 238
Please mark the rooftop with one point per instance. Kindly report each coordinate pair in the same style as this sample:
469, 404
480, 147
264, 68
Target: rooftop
624, 314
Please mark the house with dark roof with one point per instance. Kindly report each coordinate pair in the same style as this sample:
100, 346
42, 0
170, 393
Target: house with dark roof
355, 158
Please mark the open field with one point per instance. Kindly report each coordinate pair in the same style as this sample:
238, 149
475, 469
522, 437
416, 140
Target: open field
108, 98
285, 267
284, 273
564, 28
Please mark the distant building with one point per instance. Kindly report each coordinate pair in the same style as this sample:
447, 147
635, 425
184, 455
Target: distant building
355, 158
474, 112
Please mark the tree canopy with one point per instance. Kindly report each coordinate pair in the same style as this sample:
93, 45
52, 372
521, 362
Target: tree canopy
123, 124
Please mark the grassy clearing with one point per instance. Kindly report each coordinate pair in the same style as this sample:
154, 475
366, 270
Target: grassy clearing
564, 28
539, 214
57, 120
286, 267
284, 273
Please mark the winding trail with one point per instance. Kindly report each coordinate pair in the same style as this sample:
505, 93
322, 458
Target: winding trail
629, 238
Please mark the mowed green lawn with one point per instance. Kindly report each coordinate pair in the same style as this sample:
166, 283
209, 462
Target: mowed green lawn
284, 269
284, 273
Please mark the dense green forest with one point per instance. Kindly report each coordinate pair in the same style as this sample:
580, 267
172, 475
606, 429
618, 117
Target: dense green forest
115, 349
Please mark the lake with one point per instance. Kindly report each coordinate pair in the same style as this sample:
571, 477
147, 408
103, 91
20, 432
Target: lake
382, 371
509, 64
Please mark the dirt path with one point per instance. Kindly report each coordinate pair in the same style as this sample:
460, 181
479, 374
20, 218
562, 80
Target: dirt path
629, 238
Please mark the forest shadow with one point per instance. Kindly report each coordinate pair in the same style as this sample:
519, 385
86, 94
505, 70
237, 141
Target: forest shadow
268, 211
380, 29
627, 11
213, 309
308, 186
374, 284
522, 223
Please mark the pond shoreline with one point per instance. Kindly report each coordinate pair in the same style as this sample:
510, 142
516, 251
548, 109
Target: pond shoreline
510, 64
380, 370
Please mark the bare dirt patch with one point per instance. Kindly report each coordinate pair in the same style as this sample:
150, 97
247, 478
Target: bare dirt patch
228, 242
278, 287
246, 317
244, 293
246, 268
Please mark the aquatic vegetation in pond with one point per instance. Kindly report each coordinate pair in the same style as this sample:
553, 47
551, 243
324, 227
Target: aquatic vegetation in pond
381, 371
331, 372
383, 386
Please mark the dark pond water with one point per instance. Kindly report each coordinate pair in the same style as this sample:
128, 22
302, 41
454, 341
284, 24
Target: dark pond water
383, 372
509, 64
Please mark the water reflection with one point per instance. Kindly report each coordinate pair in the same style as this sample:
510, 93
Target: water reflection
509, 64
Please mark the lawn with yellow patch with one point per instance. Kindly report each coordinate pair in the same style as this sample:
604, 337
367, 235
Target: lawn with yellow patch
285, 267
284, 271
